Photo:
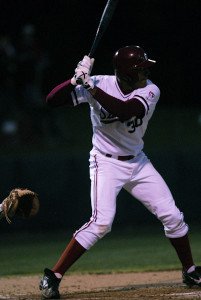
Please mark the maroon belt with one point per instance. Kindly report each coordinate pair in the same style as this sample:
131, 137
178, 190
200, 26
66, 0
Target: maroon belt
122, 158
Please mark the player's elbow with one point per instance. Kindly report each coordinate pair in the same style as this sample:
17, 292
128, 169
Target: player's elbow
49, 100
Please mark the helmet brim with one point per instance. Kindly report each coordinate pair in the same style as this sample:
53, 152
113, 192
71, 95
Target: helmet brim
145, 64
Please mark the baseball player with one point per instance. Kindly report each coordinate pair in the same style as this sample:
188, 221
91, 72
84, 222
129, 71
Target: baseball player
121, 106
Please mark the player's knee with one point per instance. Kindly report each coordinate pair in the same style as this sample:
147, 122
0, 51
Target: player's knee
176, 226
103, 230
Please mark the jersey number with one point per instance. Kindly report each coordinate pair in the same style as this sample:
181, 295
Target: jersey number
133, 124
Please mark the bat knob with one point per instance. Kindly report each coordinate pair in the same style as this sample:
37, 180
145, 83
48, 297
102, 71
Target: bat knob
79, 81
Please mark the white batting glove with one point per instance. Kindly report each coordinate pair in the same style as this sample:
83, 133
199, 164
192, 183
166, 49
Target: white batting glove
84, 78
73, 80
82, 72
85, 65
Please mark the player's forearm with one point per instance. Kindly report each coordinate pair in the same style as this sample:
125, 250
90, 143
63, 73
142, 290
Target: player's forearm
123, 110
61, 95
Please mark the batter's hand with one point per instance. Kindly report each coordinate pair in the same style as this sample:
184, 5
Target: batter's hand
88, 82
82, 72
86, 64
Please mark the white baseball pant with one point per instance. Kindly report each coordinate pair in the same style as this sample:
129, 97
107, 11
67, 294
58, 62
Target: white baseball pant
137, 176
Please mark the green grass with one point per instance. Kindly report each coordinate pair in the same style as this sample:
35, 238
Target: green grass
145, 249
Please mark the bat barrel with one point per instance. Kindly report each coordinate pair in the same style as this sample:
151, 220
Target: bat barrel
103, 24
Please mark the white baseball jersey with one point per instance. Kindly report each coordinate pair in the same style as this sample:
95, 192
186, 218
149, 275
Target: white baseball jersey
110, 135
109, 175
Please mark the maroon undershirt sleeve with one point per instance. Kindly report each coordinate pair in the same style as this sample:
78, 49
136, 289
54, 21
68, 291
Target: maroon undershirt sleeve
122, 109
61, 95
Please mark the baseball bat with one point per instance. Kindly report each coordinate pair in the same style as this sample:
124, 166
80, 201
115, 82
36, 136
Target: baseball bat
103, 24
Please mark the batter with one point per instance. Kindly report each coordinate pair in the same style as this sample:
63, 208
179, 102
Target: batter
121, 106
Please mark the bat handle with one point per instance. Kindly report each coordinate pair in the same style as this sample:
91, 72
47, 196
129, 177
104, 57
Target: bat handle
79, 80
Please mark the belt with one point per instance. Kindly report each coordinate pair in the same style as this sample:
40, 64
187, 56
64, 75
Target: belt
122, 158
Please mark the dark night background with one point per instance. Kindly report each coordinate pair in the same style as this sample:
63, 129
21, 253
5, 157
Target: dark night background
48, 150
169, 31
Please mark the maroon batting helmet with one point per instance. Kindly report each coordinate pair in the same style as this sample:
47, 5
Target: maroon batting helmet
131, 58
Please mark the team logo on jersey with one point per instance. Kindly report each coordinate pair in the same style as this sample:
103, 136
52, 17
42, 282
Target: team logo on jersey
151, 95
106, 117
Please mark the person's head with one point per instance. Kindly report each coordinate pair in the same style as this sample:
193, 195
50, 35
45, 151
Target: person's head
131, 67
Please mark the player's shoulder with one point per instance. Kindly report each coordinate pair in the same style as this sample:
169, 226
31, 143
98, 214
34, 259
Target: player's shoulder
152, 87
149, 92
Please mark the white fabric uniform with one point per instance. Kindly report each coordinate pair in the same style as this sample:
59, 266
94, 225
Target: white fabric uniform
109, 175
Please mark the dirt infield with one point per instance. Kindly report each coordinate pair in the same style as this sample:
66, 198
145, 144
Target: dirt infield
146, 286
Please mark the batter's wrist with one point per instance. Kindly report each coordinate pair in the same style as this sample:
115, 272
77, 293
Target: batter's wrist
92, 91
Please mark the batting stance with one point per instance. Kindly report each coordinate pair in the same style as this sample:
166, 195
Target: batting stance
121, 107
